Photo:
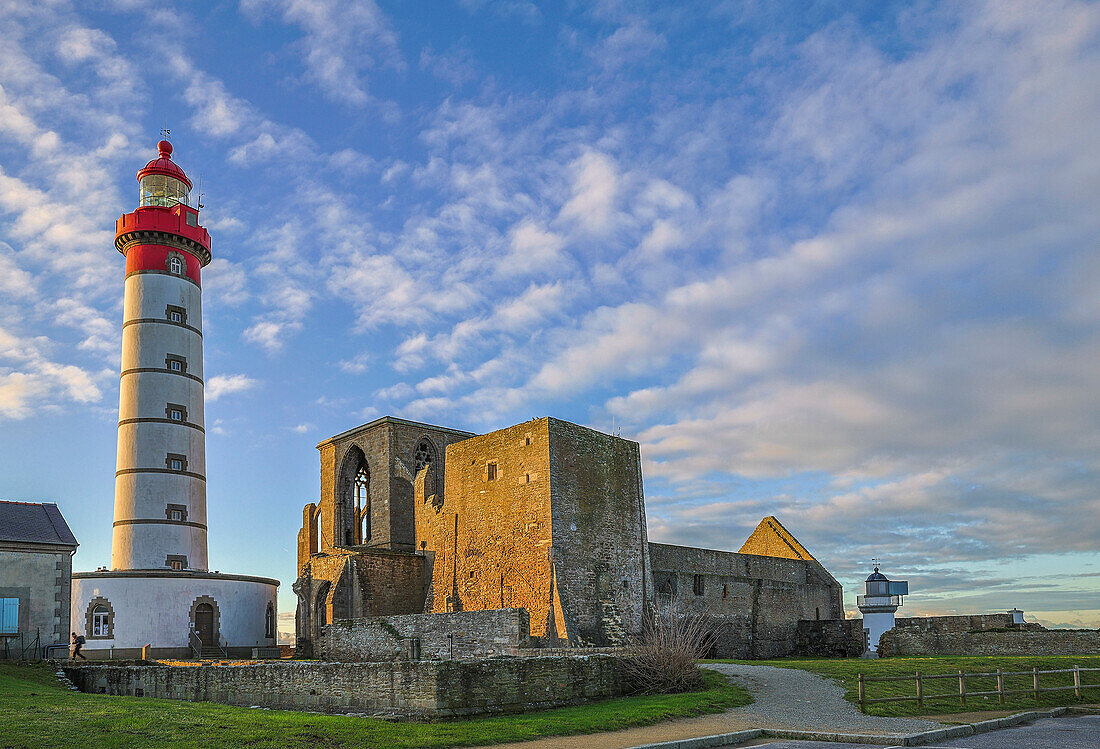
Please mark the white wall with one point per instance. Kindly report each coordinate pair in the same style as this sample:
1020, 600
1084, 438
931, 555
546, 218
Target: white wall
156, 610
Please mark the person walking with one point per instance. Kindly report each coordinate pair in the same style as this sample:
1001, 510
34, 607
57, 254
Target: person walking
75, 644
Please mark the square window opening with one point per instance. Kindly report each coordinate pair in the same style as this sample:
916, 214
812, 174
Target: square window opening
9, 616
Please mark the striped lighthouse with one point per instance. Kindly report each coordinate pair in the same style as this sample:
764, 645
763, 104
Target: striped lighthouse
159, 598
160, 481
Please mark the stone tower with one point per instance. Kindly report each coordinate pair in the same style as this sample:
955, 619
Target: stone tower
160, 481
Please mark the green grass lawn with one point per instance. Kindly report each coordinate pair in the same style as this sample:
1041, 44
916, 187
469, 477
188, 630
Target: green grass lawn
846, 670
36, 711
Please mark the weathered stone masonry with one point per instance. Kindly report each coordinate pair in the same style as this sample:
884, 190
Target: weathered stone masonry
757, 601
457, 635
983, 634
548, 516
356, 549
544, 516
425, 689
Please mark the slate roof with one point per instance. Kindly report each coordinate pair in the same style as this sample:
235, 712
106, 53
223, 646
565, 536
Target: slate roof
36, 523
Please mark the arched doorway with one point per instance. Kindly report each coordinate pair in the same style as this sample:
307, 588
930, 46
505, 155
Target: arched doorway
204, 623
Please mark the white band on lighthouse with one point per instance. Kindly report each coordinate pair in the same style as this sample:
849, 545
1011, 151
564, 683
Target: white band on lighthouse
160, 484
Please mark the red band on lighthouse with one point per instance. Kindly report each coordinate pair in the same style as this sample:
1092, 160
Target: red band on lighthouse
158, 257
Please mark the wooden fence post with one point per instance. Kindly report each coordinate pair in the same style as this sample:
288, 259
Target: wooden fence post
1035, 677
862, 695
920, 690
1077, 681
962, 687
1000, 687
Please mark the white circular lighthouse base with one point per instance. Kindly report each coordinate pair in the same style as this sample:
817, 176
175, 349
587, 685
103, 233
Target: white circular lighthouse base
158, 609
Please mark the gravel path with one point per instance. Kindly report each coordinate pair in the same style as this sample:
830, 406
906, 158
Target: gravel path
785, 698
789, 698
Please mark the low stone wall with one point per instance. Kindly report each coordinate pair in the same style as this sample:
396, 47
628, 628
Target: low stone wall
831, 638
916, 641
444, 636
970, 623
417, 689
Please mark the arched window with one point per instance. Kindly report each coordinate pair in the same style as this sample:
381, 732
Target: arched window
101, 621
362, 503
424, 456
269, 621
175, 266
317, 538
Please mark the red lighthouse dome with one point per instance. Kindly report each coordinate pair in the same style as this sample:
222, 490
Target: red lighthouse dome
164, 165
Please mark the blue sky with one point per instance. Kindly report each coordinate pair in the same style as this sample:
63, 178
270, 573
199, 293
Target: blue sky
837, 264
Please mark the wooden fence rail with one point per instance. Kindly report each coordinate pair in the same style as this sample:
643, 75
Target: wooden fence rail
920, 697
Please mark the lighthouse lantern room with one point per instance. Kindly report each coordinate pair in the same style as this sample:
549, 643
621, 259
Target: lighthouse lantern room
881, 599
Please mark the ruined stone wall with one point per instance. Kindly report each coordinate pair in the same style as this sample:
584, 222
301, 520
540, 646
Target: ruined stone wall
457, 635
831, 638
547, 516
490, 537
345, 584
757, 601
916, 641
374, 585
423, 689
388, 446
970, 623
601, 554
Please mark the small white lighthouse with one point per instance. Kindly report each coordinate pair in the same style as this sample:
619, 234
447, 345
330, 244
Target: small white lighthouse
159, 591
881, 600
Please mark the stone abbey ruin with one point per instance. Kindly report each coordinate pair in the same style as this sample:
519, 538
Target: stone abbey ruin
432, 542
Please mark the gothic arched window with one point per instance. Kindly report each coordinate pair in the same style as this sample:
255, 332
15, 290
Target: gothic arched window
362, 503
424, 456
269, 621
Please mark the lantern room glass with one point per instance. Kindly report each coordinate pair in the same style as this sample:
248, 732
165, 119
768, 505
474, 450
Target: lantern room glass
162, 190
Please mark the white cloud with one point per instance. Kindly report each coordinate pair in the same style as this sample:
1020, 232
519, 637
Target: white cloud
220, 385
341, 42
533, 248
595, 189
31, 382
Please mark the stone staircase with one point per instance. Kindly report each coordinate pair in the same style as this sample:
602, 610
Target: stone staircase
211, 652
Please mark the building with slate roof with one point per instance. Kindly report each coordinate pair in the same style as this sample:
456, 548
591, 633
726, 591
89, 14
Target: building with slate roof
36, 553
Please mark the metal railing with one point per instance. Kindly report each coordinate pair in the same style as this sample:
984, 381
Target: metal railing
878, 600
195, 643
963, 693
21, 646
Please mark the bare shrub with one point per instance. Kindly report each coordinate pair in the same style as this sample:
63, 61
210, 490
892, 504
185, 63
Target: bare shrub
664, 659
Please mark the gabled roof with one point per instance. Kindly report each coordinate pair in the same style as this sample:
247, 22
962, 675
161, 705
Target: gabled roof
771, 539
393, 420
35, 523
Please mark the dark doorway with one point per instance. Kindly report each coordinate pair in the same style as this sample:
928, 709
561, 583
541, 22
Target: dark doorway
204, 623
